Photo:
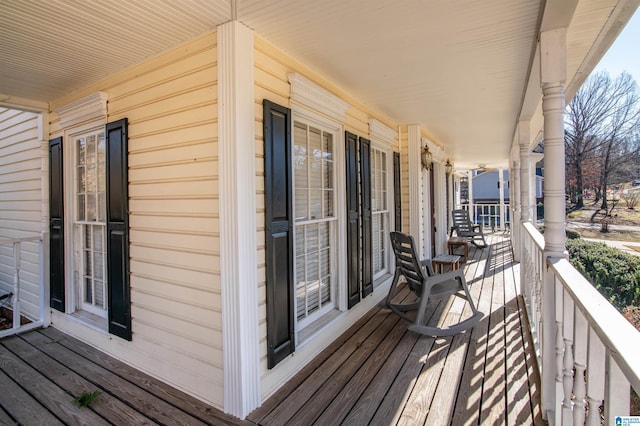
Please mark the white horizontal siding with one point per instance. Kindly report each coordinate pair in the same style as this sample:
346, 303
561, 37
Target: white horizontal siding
20, 203
173, 219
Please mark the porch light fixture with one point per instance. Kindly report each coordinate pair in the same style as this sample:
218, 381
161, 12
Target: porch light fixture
426, 157
448, 167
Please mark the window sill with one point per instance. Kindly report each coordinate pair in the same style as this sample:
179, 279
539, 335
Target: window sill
93, 321
306, 334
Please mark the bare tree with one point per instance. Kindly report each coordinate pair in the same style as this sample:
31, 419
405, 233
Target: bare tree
620, 146
600, 122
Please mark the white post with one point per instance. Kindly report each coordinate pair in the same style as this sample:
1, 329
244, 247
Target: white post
16, 285
501, 179
238, 239
523, 142
553, 63
516, 229
524, 137
470, 191
416, 219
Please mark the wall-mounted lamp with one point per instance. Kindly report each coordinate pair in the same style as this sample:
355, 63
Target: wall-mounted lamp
448, 167
426, 157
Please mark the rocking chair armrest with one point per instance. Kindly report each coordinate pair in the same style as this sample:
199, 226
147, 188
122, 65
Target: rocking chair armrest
446, 276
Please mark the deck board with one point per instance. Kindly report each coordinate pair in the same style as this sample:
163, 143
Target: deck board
149, 405
483, 376
377, 372
24, 408
72, 383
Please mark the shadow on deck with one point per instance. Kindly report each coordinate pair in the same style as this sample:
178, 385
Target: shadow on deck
376, 373
380, 373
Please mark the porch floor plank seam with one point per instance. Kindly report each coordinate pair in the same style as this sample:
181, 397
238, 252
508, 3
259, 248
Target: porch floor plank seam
377, 372
485, 375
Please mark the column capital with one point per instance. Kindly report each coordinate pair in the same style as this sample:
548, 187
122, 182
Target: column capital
553, 55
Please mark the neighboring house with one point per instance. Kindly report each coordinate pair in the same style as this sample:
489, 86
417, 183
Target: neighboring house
216, 214
486, 187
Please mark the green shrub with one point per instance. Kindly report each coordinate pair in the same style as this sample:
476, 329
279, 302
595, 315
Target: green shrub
572, 235
614, 273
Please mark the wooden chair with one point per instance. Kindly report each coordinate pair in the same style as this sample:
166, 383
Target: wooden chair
427, 286
464, 228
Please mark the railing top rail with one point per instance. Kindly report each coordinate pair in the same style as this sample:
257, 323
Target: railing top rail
615, 332
535, 235
11, 241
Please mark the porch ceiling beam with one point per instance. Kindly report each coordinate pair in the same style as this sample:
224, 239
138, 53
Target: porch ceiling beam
24, 104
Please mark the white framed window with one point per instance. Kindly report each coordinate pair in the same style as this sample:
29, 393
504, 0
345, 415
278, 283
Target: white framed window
380, 211
316, 220
89, 221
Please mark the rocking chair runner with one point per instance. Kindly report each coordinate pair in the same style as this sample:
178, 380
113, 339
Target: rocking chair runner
427, 286
464, 228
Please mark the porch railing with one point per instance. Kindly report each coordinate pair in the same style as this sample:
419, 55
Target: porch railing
588, 353
12, 284
490, 216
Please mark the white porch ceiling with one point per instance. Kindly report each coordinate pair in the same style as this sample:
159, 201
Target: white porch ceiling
459, 68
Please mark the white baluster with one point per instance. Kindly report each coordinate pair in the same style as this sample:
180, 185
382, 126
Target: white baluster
567, 383
567, 366
617, 396
580, 355
16, 285
595, 378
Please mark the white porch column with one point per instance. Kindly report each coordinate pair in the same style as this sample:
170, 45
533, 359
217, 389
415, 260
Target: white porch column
524, 138
470, 191
501, 189
237, 200
553, 62
416, 218
514, 175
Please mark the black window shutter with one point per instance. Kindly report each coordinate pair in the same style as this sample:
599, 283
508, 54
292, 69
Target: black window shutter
365, 200
118, 229
353, 220
396, 192
279, 232
56, 225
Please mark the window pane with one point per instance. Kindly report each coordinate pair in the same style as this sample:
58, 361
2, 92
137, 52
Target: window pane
301, 208
91, 207
81, 183
99, 294
312, 240
102, 207
81, 207
315, 143
101, 148
81, 151
301, 172
88, 291
328, 174
327, 146
316, 203
315, 173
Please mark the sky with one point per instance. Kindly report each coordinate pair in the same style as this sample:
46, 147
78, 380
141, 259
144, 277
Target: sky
624, 54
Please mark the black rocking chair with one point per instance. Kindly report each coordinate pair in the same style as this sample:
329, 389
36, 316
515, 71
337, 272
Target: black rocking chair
427, 286
464, 228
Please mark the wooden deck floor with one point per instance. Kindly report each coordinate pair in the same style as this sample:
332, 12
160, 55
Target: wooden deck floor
379, 373
41, 372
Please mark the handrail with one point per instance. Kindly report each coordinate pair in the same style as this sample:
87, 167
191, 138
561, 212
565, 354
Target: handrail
535, 235
613, 330
16, 290
483, 211
587, 351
